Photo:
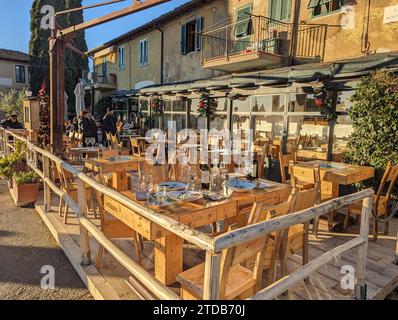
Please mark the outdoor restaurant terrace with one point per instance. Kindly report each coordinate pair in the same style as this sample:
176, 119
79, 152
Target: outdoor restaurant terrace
146, 218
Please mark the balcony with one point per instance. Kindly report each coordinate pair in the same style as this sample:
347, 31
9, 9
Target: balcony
260, 43
102, 83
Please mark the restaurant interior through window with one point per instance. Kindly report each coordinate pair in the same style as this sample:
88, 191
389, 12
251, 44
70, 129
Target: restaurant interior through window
292, 120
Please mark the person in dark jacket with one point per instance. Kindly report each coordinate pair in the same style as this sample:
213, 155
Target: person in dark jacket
109, 122
84, 126
12, 123
93, 126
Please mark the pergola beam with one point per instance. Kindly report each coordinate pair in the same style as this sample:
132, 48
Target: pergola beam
60, 13
136, 7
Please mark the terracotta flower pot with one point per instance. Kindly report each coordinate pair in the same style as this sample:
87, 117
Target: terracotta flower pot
25, 194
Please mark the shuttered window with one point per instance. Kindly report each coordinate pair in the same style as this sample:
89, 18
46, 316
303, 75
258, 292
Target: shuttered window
324, 7
191, 38
243, 22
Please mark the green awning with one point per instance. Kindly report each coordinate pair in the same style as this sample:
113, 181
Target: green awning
325, 1
333, 70
313, 3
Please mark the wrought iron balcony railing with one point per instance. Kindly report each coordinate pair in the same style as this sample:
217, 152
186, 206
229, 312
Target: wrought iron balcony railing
259, 34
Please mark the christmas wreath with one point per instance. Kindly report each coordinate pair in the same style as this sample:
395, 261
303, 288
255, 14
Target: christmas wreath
204, 106
324, 101
156, 107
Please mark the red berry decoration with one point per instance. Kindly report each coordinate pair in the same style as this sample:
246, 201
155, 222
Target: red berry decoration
319, 102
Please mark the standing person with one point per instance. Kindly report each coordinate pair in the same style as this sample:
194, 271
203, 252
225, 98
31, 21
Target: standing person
12, 123
84, 126
93, 127
109, 122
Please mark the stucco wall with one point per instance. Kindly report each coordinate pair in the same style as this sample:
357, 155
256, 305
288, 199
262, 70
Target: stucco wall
134, 73
7, 74
347, 42
321, 39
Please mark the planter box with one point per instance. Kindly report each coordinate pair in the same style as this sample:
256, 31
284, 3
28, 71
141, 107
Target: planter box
24, 194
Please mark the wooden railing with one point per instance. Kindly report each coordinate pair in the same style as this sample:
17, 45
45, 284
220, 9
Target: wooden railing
39, 160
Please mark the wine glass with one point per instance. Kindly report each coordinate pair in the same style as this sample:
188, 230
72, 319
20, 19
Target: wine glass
161, 194
147, 186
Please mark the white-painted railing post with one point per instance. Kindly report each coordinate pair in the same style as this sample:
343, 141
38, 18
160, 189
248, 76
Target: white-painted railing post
361, 288
212, 276
84, 236
47, 189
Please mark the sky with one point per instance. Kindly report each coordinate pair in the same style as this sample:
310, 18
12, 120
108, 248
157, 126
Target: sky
15, 22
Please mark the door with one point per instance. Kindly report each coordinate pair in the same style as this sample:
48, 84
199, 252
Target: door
281, 10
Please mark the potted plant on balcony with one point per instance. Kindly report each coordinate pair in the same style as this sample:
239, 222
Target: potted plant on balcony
25, 188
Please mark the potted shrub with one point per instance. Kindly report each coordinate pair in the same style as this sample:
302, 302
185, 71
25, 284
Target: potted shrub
25, 188
13, 163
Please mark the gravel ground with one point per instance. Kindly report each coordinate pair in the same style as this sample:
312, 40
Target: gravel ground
26, 246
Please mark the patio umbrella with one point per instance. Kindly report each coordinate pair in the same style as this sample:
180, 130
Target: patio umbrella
79, 94
66, 107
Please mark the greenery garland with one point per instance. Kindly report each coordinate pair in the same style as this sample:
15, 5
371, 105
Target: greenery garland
204, 106
324, 101
156, 107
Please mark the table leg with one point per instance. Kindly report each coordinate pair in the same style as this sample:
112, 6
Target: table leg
120, 181
329, 191
168, 258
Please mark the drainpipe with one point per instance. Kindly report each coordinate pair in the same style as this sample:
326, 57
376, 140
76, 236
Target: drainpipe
296, 19
161, 52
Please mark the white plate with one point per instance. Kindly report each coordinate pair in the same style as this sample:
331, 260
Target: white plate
185, 195
236, 175
173, 185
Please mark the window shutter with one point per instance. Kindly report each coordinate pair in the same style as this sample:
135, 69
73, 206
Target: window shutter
146, 52
243, 20
141, 53
198, 35
313, 3
184, 39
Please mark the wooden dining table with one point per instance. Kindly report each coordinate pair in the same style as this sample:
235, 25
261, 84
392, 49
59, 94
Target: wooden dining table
168, 251
337, 154
118, 166
334, 174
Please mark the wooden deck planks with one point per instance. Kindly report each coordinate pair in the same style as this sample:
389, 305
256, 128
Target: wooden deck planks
111, 282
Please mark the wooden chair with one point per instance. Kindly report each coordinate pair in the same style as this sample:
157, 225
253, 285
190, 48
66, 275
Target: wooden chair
115, 142
176, 170
305, 178
380, 200
159, 173
136, 148
261, 158
236, 281
284, 162
69, 186
296, 237
113, 228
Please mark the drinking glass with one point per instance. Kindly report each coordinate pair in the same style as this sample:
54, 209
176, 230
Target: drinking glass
161, 194
147, 185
